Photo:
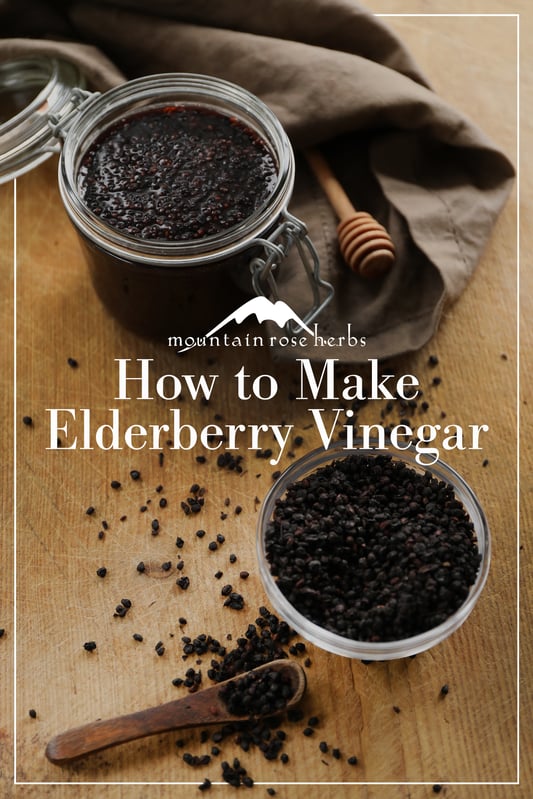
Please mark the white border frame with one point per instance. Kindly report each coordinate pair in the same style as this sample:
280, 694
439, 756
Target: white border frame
15, 422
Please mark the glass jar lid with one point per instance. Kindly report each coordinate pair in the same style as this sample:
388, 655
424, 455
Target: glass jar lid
31, 89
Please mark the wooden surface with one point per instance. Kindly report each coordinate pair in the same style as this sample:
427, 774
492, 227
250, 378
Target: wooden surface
390, 715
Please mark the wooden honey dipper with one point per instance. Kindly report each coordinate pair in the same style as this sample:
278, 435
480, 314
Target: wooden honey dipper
365, 245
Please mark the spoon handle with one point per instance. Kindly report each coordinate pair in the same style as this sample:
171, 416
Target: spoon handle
186, 712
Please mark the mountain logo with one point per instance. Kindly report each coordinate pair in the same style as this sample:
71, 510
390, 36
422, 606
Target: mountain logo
263, 309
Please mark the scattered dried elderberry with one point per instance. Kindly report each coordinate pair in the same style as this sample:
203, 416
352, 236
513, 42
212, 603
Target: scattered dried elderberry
262, 643
196, 760
226, 460
235, 774
234, 600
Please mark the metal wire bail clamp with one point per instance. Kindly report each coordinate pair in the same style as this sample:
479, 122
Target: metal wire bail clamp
276, 249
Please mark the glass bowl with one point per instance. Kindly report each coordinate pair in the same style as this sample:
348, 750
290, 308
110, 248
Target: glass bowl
362, 649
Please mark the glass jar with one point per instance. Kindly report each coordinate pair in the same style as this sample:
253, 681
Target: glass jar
165, 288
162, 288
30, 90
349, 647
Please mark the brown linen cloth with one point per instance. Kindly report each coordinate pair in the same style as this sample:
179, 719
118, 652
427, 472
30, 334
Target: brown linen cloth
337, 77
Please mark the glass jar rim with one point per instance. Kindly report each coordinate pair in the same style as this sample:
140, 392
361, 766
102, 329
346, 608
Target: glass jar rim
348, 647
26, 138
175, 88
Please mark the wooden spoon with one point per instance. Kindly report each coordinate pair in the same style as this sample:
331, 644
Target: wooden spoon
365, 245
201, 708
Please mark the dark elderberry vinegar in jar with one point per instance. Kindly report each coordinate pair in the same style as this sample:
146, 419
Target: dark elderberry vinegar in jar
178, 185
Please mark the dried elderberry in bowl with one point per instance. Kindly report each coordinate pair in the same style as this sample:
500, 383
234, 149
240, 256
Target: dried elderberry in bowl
371, 555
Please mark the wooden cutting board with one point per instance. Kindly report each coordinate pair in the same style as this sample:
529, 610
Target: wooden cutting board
392, 716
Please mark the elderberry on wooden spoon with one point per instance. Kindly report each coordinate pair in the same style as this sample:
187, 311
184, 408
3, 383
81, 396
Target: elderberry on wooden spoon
270, 688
